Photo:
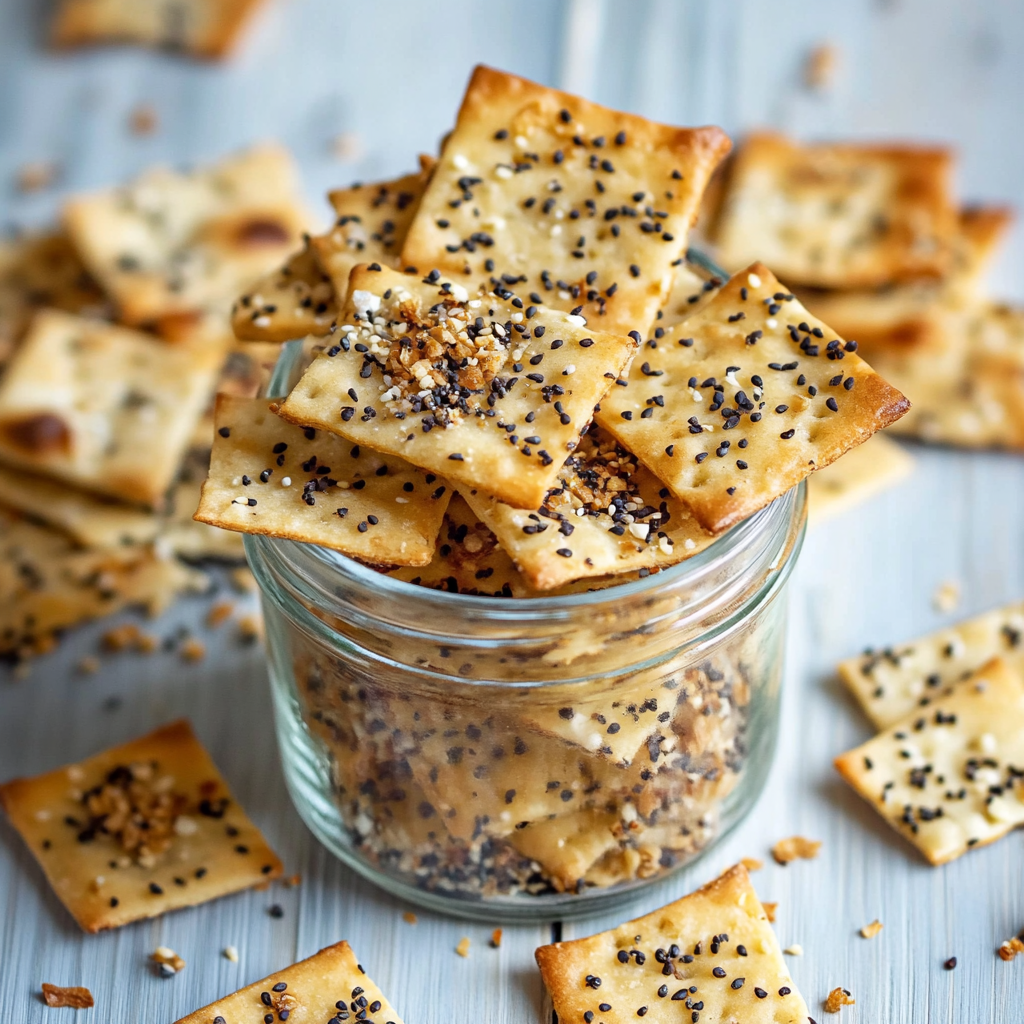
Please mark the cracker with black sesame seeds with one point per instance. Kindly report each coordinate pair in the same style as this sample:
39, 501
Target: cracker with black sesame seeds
712, 953
608, 514
272, 477
858, 476
485, 390
950, 777
176, 242
553, 195
893, 682
838, 215
755, 397
107, 408
188, 538
567, 847
692, 288
330, 985
137, 830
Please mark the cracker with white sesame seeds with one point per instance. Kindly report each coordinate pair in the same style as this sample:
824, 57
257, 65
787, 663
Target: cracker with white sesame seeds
893, 682
858, 476
175, 242
712, 953
104, 407
578, 204
950, 777
485, 390
838, 215
271, 477
629, 519
137, 830
331, 984
756, 396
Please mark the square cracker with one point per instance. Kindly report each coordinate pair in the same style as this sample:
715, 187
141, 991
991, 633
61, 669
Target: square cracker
893, 682
653, 960
176, 242
269, 476
608, 514
104, 407
203, 28
484, 390
137, 830
950, 777
312, 991
838, 215
756, 396
561, 197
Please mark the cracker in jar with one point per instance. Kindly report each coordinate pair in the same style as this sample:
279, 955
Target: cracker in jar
713, 947
771, 395
567, 202
949, 777
268, 476
137, 830
486, 390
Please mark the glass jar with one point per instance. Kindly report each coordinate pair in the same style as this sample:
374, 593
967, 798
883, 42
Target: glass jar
504, 759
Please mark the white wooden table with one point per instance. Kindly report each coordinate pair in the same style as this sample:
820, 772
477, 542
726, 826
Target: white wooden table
392, 74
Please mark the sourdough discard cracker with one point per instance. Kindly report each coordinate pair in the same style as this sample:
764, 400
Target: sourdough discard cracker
950, 776
607, 514
104, 407
176, 242
484, 389
838, 215
203, 28
755, 396
564, 201
568, 847
711, 955
137, 830
271, 477
331, 985
893, 682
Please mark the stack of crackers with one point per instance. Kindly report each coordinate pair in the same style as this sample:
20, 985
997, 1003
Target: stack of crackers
114, 337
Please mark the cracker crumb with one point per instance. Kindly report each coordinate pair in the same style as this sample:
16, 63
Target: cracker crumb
409, 917
231, 953
74, 996
250, 628
463, 947
795, 847
128, 637
36, 176
347, 147
821, 66
89, 665
946, 597
837, 999
752, 863
794, 950
243, 580
292, 881
869, 931
143, 120
769, 910
192, 650
168, 962
1010, 948
496, 938
219, 614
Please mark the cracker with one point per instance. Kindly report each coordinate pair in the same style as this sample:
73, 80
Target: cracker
583, 205
176, 242
692, 288
271, 477
980, 232
629, 520
858, 476
181, 533
950, 777
74, 997
327, 986
202, 28
838, 215
505, 423
795, 398
677, 948
104, 407
893, 682
568, 847
137, 830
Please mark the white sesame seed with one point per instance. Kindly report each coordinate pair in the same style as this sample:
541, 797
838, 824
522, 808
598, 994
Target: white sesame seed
286, 481
639, 530
771, 323
501, 171
231, 954
569, 370
460, 161
753, 280
689, 544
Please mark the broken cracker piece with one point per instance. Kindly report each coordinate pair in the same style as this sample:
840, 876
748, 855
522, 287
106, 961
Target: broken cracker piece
74, 996
770, 910
795, 848
1009, 949
869, 931
837, 999
463, 947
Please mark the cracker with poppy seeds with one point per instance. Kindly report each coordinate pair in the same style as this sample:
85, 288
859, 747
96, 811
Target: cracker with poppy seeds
330, 985
756, 396
175, 242
858, 476
107, 408
202, 28
571, 203
950, 777
837, 215
486, 390
271, 477
137, 830
894, 682
607, 514
712, 954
